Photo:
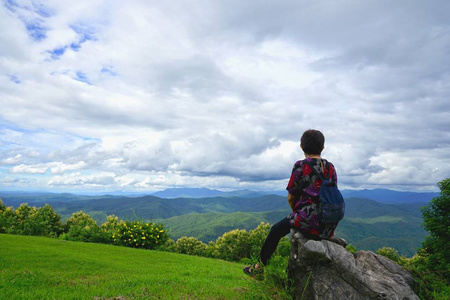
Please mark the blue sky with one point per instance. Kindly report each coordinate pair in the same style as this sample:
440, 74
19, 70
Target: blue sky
139, 96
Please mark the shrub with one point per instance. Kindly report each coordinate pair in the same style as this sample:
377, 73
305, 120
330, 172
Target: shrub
111, 224
284, 247
110, 228
81, 227
233, 245
351, 248
211, 250
8, 219
169, 246
80, 219
191, 246
390, 253
257, 237
138, 234
429, 284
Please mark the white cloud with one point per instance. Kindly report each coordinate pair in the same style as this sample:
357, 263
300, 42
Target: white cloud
11, 160
8, 135
76, 180
131, 95
60, 168
410, 167
30, 169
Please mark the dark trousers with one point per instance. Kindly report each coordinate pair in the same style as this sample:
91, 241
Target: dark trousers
277, 231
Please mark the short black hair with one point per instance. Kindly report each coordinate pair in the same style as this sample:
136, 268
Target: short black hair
312, 142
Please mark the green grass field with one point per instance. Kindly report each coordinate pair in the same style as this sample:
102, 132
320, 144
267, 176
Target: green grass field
45, 268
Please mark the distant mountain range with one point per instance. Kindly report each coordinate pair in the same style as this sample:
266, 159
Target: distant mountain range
379, 195
373, 219
204, 192
389, 196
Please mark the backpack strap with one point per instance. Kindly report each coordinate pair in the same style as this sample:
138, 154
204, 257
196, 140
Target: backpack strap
320, 175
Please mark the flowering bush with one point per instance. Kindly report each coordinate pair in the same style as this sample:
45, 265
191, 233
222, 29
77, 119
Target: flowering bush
138, 234
81, 227
233, 245
257, 237
80, 219
111, 224
191, 246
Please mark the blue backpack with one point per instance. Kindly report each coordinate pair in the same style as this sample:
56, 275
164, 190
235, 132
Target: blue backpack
332, 205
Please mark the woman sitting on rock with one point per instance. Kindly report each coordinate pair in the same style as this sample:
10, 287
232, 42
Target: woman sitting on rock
303, 197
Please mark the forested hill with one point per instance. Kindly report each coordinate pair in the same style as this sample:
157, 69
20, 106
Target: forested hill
151, 207
379, 195
367, 224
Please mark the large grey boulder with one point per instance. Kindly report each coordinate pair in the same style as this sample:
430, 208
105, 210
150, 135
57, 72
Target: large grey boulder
326, 270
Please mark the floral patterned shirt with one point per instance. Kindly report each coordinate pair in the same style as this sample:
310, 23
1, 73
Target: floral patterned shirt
304, 184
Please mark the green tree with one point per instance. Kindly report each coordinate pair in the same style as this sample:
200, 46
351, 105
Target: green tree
28, 220
25, 218
436, 218
46, 222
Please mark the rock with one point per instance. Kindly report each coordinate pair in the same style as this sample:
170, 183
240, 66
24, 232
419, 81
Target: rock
326, 270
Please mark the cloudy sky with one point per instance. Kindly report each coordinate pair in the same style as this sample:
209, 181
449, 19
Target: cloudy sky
99, 95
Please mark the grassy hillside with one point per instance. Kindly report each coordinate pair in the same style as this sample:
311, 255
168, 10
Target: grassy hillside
44, 268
